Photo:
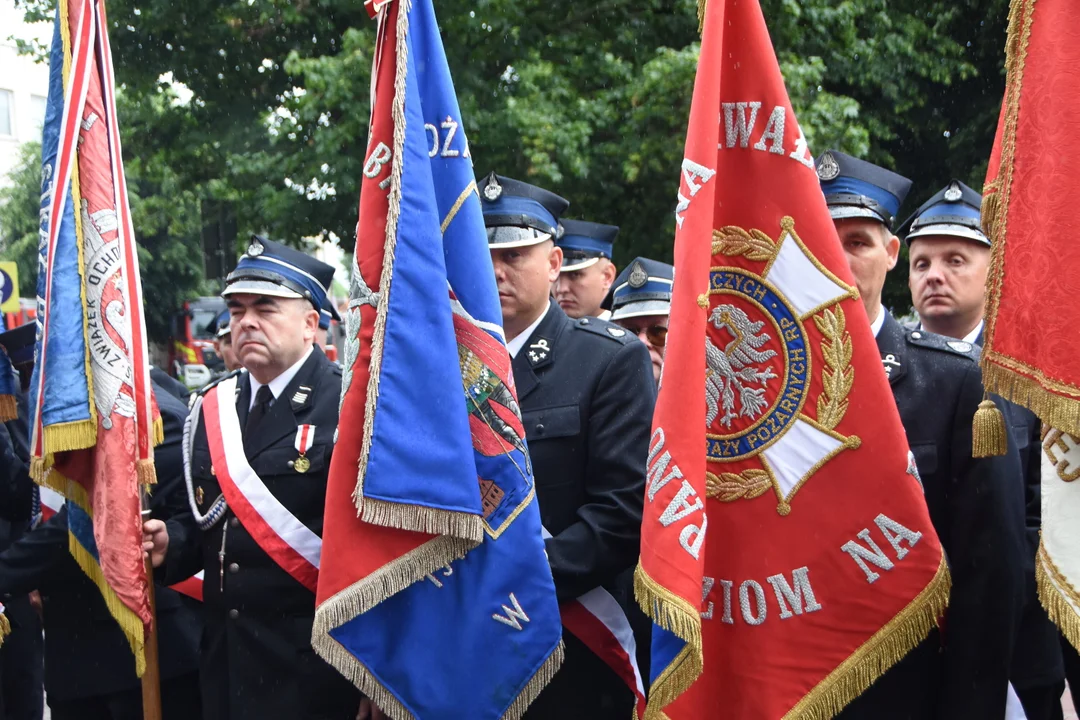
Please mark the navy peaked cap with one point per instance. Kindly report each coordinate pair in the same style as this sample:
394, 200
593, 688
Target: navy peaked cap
219, 327
517, 213
19, 343
583, 243
955, 211
856, 188
270, 268
643, 288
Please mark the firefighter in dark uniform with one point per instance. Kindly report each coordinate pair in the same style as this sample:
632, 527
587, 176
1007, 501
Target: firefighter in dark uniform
976, 504
949, 258
641, 303
586, 394
587, 271
89, 668
257, 660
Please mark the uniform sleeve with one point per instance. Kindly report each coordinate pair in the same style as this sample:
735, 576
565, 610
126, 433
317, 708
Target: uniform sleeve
16, 487
605, 538
986, 557
28, 563
169, 502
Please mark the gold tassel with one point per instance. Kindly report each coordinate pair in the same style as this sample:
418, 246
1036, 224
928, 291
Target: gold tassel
146, 472
9, 409
5, 627
988, 434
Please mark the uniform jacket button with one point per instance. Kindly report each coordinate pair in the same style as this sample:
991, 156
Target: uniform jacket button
540, 428
233, 614
234, 522
234, 568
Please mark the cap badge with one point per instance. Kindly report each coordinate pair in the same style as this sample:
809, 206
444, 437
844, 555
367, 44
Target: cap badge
827, 168
493, 190
953, 193
638, 276
255, 249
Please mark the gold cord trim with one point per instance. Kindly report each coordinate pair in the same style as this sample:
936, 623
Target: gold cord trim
1051, 407
5, 628
873, 659
1061, 600
677, 616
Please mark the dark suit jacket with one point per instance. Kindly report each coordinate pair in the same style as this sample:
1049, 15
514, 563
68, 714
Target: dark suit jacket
586, 392
977, 507
86, 654
257, 660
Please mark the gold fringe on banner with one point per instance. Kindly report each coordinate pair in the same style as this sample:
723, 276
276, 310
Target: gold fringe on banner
988, 434
701, 15
5, 627
1053, 589
65, 437
1058, 407
9, 408
677, 616
887, 647
433, 521
146, 472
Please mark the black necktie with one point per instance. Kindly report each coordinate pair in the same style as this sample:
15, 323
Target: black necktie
263, 399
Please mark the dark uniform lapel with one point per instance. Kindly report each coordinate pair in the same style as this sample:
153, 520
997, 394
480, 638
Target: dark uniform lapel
243, 397
288, 409
538, 352
890, 342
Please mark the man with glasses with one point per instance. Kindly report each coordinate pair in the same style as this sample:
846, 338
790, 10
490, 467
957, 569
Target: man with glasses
641, 303
587, 271
586, 400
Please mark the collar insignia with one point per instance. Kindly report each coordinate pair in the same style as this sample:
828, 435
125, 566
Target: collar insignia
889, 362
827, 168
616, 332
959, 346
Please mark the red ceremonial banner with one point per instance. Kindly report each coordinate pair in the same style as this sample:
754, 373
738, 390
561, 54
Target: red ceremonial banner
1031, 343
794, 560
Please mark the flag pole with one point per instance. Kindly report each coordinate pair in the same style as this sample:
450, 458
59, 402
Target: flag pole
151, 679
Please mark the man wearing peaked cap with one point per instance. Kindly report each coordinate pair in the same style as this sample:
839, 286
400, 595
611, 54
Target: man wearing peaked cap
949, 260
587, 271
975, 503
223, 341
264, 454
641, 303
586, 395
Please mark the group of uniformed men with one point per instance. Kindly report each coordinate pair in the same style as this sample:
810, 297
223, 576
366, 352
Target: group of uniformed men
586, 388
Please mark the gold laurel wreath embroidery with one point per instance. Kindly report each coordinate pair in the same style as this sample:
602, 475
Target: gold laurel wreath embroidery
734, 242
838, 376
729, 487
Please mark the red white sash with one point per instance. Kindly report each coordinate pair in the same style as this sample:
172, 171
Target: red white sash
598, 621
52, 501
290, 543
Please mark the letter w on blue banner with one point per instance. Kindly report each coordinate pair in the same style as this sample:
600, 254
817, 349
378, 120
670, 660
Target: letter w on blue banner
438, 600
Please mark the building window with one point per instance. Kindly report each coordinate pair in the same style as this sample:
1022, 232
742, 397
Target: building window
7, 100
37, 107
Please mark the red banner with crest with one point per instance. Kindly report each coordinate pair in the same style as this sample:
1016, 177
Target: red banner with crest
793, 562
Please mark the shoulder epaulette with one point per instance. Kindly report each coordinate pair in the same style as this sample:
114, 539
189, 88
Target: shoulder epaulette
606, 329
933, 341
214, 383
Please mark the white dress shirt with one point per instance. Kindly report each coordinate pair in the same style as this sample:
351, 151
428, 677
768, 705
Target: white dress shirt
879, 321
278, 384
514, 346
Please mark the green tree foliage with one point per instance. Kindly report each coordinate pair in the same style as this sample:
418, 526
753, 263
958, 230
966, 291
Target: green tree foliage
588, 99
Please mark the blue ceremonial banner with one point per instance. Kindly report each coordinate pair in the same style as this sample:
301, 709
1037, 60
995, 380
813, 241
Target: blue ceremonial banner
438, 600
62, 412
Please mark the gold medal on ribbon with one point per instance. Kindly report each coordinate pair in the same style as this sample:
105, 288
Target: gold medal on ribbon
199, 495
305, 436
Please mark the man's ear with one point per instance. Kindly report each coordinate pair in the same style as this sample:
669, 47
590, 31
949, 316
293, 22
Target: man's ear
609, 271
554, 262
892, 247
